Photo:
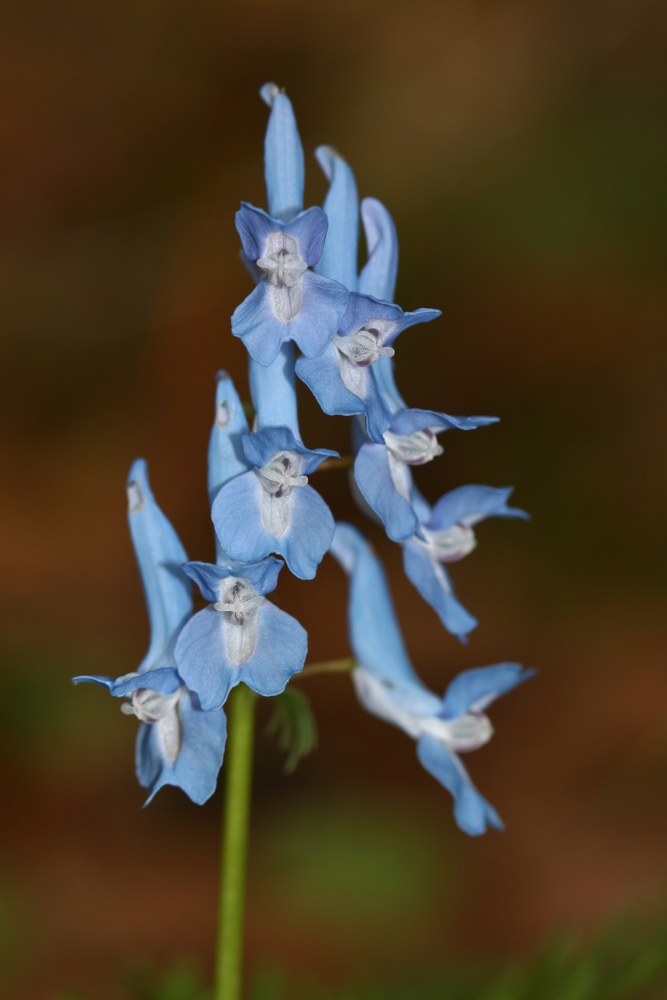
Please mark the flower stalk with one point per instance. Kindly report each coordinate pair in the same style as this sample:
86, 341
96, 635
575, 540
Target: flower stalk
238, 765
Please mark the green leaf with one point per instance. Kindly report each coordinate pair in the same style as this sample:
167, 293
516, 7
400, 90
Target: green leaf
294, 726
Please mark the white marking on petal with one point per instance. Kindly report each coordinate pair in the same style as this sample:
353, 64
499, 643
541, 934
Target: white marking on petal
150, 706
400, 476
365, 345
222, 416
413, 449
278, 478
284, 268
239, 603
448, 545
170, 735
135, 497
467, 732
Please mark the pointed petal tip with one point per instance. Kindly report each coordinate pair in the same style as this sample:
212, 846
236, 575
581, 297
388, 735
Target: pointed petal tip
325, 156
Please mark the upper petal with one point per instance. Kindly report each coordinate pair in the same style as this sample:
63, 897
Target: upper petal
273, 391
376, 639
160, 555
225, 454
474, 690
469, 504
339, 257
378, 278
283, 155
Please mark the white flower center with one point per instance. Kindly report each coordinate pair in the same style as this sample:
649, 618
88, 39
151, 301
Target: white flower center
284, 269
281, 474
239, 603
364, 347
448, 545
413, 449
162, 711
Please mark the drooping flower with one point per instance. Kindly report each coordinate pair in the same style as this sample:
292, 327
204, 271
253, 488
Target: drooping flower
382, 472
178, 744
446, 535
387, 685
342, 378
240, 637
272, 508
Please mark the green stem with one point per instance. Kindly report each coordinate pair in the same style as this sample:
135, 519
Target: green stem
238, 767
328, 667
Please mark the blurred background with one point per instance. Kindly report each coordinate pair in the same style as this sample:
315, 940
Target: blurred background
522, 149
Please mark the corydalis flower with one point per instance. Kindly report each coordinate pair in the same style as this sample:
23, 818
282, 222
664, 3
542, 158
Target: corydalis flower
446, 535
382, 472
342, 378
240, 637
388, 686
178, 744
272, 508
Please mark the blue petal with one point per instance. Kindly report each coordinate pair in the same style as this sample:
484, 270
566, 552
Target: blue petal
257, 326
273, 391
308, 536
262, 575
322, 376
378, 278
474, 690
384, 373
283, 155
280, 652
225, 454
282, 644
339, 257
254, 227
409, 421
432, 581
372, 475
237, 518
160, 555
198, 763
362, 309
378, 416
324, 302
470, 504
163, 680
261, 447
375, 637
472, 812
409, 319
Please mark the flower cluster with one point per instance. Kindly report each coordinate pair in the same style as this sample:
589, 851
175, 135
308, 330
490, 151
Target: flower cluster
309, 293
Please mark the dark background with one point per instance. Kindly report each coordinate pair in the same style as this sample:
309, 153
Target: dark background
522, 149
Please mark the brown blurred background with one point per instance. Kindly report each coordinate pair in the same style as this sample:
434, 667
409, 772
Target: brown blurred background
522, 148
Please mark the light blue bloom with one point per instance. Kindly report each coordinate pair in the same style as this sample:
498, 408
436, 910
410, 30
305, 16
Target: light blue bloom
446, 535
272, 508
178, 744
382, 473
388, 686
225, 449
342, 378
240, 637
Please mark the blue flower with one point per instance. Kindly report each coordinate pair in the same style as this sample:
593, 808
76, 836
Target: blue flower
446, 535
382, 473
178, 743
240, 637
225, 449
388, 686
342, 378
272, 508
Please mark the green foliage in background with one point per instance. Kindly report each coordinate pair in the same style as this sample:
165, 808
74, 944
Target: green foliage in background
621, 963
294, 726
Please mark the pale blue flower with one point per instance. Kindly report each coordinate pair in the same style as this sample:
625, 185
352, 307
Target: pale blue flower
446, 535
272, 508
388, 686
240, 637
178, 744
